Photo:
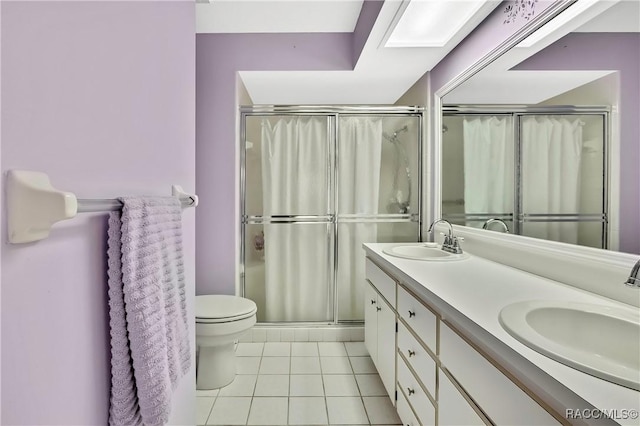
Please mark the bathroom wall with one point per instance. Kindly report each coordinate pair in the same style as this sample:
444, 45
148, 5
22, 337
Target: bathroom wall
101, 96
609, 51
219, 57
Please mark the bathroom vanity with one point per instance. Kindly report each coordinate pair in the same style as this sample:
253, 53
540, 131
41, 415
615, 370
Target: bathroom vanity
433, 331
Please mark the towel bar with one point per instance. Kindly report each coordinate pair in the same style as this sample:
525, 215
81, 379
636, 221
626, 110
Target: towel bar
33, 205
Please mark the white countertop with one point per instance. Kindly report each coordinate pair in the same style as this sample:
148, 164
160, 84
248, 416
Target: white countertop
470, 294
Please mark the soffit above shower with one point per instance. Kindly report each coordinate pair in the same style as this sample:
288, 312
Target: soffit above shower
279, 16
380, 74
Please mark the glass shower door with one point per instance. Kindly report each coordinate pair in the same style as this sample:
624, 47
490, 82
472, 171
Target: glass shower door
376, 196
287, 218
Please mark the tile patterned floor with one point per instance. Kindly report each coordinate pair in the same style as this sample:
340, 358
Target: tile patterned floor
300, 383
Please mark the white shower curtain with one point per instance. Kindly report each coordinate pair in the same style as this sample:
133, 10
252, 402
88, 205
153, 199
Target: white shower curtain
551, 153
295, 182
488, 166
359, 154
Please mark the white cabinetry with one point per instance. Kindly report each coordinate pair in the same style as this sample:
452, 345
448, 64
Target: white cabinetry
441, 379
453, 408
380, 324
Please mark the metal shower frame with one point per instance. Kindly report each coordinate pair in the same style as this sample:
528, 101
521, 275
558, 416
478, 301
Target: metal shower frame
333, 114
518, 111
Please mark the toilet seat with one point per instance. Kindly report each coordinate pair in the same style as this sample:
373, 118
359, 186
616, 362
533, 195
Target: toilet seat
214, 309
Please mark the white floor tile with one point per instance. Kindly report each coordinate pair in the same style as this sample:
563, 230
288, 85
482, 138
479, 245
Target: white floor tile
335, 365
242, 385
247, 364
286, 335
301, 334
346, 411
329, 335
304, 349
356, 349
207, 392
277, 349
275, 365
381, 411
230, 411
315, 335
331, 349
307, 411
357, 334
306, 385
340, 385
259, 335
362, 365
203, 408
272, 385
305, 365
249, 349
343, 334
370, 385
273, 335
269, 411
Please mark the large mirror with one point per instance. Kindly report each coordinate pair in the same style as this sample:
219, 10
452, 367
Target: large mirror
544, 141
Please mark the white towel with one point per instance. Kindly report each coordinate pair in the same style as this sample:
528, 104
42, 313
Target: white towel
150, 349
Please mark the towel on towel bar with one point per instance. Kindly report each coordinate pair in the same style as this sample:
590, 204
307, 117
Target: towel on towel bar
150, 349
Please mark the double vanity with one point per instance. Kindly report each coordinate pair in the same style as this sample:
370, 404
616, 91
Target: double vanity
458, 339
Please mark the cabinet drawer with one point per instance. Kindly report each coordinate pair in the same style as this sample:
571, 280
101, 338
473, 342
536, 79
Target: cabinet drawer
405, 413
475, 374
453, 409
416, 396
418, 358
418, 317
383, 282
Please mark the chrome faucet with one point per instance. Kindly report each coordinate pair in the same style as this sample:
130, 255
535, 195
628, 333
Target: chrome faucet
495, 220
450, 244
634, 280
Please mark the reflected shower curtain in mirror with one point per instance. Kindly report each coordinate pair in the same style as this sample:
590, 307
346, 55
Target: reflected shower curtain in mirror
359, 156
295, 182
552, 153
488, 166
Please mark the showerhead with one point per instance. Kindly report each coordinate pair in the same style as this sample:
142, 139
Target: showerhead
394, 136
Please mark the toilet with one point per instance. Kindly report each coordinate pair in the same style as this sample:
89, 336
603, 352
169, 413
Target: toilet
220, 321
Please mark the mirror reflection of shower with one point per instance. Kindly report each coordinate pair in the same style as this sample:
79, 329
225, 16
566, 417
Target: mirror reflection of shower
398, 202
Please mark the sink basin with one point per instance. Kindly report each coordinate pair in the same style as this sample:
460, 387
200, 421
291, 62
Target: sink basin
599, 340
421, 252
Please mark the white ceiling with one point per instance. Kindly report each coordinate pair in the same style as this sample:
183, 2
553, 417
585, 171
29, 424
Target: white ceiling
277, 16
381, 76
498, 84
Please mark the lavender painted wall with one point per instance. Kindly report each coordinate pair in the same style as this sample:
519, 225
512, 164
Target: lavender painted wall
101, 96
367, 18
491, 32
609, 51
218, 59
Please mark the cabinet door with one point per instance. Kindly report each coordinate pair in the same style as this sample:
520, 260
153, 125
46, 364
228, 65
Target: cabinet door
387, 346
453, 409
371, 321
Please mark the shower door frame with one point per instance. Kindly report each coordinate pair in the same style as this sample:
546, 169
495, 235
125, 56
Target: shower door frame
519, 111
332, 113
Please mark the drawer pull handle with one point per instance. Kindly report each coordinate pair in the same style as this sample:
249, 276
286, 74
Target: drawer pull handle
378, 308
411, 353
410, 391
412, 314
373, 302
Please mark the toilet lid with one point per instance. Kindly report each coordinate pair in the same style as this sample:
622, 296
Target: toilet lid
221, 307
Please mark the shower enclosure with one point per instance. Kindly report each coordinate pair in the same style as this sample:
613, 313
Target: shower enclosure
316, 183
542, 171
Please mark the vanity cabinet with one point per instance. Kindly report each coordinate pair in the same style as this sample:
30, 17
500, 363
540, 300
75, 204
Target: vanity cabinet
380, 324
441, 379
